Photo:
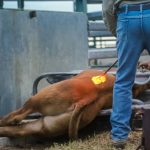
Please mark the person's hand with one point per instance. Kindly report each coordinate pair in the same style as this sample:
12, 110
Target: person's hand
144, 65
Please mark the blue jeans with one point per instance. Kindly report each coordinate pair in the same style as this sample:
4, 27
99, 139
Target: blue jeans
133, 35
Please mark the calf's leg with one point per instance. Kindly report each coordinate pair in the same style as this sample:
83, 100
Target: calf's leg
18, 115
76, 116
49, 126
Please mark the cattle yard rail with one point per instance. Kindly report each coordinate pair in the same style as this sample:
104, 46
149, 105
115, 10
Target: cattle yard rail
53, 77
101, 42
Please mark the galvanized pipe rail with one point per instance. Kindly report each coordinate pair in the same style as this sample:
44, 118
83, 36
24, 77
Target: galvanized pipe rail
79, 5
95, 29
53, 77
96, 53
88, 1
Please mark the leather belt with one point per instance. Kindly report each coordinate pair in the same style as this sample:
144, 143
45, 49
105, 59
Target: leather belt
136, 7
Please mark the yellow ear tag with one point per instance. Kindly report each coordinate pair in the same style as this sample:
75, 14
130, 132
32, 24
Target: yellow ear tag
103, 79
98, 79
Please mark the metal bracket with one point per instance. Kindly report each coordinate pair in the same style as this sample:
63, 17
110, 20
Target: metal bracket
1, 4
52, 77
20, 4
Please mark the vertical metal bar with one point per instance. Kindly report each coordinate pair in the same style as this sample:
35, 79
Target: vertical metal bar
80, 5
20, 4
101, 42
1, 3
94, 40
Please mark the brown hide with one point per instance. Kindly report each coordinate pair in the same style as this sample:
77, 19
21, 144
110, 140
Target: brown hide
67, 106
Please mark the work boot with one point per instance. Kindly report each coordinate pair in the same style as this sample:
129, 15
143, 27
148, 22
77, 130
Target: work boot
119, 144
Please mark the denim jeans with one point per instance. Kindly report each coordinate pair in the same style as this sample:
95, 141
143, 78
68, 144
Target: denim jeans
133, 35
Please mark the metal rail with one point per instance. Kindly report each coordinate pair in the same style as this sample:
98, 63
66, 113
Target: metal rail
53, 77
97, 15
88, 1
39, 0
79, 5
102, 53
137, 106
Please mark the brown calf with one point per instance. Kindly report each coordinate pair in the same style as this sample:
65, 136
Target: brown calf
67, 106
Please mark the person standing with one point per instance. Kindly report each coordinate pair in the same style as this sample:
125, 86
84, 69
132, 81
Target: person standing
129, 21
